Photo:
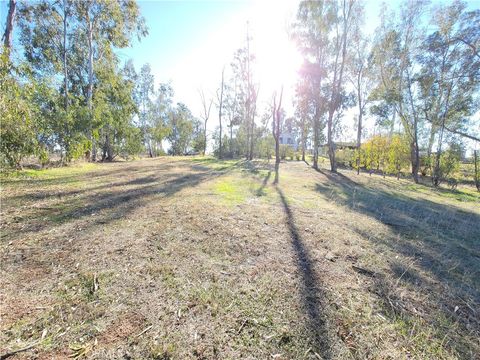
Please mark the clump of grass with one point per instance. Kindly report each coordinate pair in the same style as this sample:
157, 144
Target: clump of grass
162, 352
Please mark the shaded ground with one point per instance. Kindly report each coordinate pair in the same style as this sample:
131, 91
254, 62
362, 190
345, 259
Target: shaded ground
195, 258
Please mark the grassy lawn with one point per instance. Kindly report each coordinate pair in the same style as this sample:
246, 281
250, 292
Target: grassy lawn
194, 258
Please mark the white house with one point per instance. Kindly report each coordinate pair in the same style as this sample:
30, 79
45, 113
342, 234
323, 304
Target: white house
287, 138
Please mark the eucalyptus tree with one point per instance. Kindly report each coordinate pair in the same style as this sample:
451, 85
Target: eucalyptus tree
310, 32
220, 105
206, 107
145, 91
46, 40
182, 125
360, 75
304, 116
105, 24
322, 31
242, 67
231, 106
449, 78
342, 15
397, 44
158, 116
276, 119
114, 104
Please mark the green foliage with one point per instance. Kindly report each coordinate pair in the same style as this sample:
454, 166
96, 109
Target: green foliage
397, 155
17, 132
449, 162
286, 151
183, 130
266, 147
375, 152
346, 157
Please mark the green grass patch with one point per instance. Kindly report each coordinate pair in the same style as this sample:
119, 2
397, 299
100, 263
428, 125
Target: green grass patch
230, 191
49, 175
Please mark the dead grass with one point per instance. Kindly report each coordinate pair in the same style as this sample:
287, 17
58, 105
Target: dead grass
177, 258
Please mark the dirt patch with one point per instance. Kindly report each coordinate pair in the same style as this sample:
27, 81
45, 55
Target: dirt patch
122, 328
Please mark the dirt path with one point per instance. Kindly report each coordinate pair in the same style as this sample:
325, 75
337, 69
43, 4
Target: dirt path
178, 258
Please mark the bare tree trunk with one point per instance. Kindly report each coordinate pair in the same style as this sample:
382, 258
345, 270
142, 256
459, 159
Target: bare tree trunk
331, 145
316, 131
231, 139
359, 139
304, 135
276, 132
220, 115
8, 34
204, 137
252, 137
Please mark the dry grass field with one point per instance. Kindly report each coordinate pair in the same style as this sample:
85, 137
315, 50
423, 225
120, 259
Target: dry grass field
194, 258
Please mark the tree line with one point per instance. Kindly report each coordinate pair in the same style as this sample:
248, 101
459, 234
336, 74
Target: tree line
68, 93
417, 76
420, 69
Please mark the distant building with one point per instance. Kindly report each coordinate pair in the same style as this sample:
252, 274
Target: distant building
287, 138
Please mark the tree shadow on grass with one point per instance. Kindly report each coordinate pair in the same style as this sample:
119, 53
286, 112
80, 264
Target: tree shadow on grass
261, 190
442, 240
311, 294
440, 235
117, 202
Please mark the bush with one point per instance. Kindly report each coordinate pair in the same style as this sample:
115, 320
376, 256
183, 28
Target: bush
286, 151
345, 157
449, 164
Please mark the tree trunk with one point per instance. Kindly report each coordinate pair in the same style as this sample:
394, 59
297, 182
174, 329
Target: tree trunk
108, 145
359, 138
276, 133
315, 138
8, 34
220, 116
150, 151
65, 80
303, 142
331, 145
477, 175
252, 138
205, 137
231, 139
90, 83
414, 159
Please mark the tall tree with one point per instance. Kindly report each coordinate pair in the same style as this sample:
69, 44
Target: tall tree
343, 15
182, 126
276, 119
304, 114
206, 107
158, 116
231, 108
45, 39
311, 34
396, 46
146, 89
449, 77
220, 110
247, 97
360, 75
106, 24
